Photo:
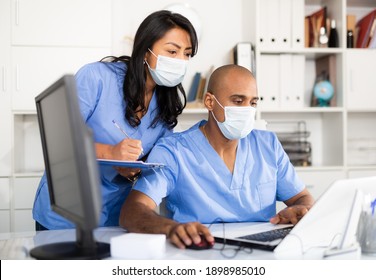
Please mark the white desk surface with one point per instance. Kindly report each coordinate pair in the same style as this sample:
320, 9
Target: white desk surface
15, 246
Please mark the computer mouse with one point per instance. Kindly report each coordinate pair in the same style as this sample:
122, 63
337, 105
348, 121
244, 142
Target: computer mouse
204, 244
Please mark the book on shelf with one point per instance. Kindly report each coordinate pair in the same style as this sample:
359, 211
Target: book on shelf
198, 89
371, 44
364, 28
194, 87
315, 22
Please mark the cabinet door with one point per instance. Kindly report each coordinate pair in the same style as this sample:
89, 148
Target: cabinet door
317, 182
361, 82
4, 205
75, 23
24, 192
36, 68
4, 221
5, 96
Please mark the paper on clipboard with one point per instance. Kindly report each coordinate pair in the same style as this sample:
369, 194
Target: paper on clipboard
131, 164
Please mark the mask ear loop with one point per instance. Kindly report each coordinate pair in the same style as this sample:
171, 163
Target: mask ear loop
221, 107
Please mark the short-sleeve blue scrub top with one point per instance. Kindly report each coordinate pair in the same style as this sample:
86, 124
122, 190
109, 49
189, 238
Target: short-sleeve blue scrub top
100, 93
198, 186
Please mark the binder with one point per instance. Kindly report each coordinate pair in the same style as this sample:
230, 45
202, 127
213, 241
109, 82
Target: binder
292, 81
298, 81
297, 24
244, 56
268, 81
264, 17
284, 24
285, 64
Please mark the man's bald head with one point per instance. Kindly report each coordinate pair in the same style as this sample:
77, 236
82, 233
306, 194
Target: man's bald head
230, 78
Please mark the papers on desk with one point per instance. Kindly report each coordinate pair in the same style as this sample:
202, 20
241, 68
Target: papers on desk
130, 164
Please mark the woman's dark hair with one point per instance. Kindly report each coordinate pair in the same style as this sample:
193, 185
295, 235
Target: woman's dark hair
170, 104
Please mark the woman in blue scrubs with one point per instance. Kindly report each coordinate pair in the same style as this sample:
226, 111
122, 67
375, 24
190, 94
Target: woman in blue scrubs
140, 94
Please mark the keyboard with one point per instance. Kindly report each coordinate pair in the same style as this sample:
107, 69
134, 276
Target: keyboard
268, 236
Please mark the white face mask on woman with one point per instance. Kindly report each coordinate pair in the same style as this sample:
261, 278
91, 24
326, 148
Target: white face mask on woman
239, 121
168, 72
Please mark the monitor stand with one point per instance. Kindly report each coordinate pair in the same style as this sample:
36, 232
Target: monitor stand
84, 248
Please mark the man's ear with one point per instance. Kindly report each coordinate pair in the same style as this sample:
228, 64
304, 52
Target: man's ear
208, 101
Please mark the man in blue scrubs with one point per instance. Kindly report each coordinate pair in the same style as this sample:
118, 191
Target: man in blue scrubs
219, 170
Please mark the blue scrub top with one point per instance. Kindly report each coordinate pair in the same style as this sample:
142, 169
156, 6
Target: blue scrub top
198, 186
100, 93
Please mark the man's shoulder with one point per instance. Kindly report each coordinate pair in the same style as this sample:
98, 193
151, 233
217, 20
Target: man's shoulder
179, 137
259, 134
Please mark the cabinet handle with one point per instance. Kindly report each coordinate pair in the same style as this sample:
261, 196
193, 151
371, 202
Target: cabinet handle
17, 78
4, 78
17, 12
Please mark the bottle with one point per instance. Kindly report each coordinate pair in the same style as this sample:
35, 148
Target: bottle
350, 39
333, 35
323, 38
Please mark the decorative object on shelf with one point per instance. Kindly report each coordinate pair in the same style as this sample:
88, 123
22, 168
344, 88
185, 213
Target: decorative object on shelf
333, 41
326, 69
350, 39
323, 38
323, 91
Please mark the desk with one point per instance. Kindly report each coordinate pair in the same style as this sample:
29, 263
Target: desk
14, 246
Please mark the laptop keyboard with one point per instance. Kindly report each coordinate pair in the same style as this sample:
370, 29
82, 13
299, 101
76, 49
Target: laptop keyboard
268, 236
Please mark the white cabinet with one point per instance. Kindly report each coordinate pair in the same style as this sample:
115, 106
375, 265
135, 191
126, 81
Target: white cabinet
68, 23
5, 204
35, 68
41, 40
361, 82
54, 39
5, 93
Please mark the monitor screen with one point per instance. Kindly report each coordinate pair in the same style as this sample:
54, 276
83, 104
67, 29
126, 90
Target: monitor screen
72, 171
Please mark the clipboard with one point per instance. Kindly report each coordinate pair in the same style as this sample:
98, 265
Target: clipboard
131, 164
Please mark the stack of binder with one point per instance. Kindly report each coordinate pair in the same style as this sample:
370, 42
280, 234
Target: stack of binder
294, 139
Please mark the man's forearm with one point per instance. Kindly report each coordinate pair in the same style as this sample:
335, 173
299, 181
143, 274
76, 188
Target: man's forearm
137, 217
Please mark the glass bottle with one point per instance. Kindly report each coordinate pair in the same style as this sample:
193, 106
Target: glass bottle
333, 35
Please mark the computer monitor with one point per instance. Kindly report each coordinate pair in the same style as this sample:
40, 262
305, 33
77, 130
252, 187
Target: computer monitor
72, 171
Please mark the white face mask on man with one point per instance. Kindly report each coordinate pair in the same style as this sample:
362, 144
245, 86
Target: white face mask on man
239, 121
168, 72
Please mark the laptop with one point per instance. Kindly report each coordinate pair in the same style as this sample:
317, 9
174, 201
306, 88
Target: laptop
331, 223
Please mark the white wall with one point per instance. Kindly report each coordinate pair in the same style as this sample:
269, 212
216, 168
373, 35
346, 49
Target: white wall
221, 29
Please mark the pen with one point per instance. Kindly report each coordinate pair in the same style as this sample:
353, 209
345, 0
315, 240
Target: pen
122, 130
373, 205
118, 126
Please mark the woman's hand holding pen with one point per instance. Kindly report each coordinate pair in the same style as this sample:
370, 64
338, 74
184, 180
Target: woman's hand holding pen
127, 149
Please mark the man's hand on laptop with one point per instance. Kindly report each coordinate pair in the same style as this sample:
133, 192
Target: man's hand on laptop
184, 235
289, 215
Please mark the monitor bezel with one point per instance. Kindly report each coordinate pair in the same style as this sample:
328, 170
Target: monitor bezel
86, 162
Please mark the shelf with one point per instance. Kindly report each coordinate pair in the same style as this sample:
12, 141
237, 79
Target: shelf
28, 156
310, 53
305, 110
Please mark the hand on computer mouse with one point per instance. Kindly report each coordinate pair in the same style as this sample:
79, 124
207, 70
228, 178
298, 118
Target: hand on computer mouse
202, 245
